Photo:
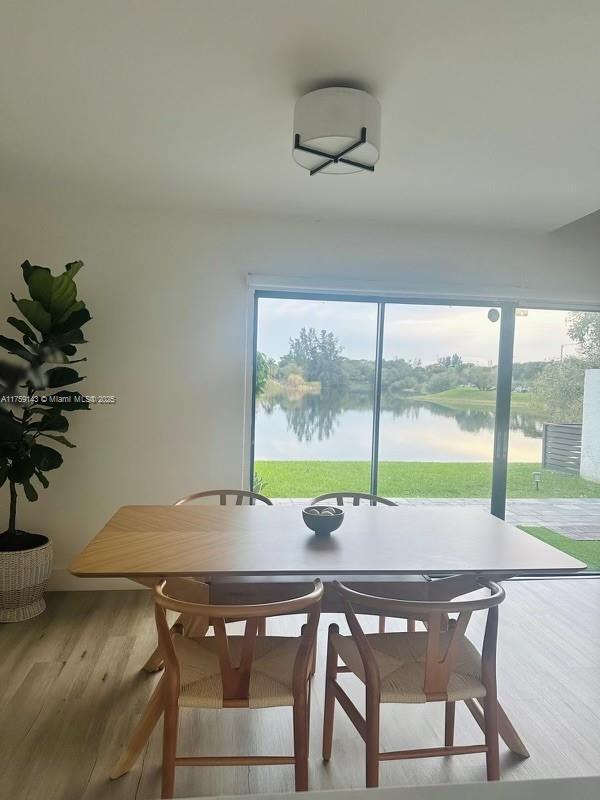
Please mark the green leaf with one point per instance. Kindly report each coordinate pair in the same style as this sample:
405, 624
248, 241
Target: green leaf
70, 337
42, 479
64, 294
45, 458
71, 404
46, 411
22, 327
30, 492
68, 349
36, 314
62, 376
75, 318
39, 282
16, 348
52, 421
77, 306
59, 439
27, 270
73, 267
21, 469
56, 293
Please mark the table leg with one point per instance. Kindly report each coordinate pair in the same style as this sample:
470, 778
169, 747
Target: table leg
507, 732
141, 733
194, 627
154, 663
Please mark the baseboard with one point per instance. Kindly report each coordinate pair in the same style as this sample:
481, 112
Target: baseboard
61, 580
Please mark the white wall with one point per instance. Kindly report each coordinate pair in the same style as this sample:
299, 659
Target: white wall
169, 298
590, 429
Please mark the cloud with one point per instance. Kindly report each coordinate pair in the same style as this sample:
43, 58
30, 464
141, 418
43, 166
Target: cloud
411, 331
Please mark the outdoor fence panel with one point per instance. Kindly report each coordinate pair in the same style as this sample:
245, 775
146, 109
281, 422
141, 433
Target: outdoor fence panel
561, 447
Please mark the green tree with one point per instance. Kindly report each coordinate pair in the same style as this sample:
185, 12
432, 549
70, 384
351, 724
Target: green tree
560, 388
450, 361
319, 355
262, 373
584, 328
440, 382
484, 378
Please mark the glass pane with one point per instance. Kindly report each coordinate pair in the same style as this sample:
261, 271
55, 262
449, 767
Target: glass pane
314, 403
438, 402
554, 475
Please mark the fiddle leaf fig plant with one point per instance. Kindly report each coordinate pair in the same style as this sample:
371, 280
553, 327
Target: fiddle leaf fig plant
34, 415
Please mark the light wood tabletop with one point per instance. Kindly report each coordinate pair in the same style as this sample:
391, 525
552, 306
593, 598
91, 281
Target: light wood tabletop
144, 541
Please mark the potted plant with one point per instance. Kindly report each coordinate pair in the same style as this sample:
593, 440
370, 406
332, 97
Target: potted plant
33, 413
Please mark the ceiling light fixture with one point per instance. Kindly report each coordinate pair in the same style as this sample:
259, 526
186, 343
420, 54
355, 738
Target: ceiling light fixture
336, 131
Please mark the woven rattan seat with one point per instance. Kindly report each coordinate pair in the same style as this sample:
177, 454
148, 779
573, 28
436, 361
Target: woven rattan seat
271, 675
401, 658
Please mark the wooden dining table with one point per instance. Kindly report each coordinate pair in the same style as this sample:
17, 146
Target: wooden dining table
261, 553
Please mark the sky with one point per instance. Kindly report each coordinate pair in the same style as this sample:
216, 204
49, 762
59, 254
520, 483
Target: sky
413, 331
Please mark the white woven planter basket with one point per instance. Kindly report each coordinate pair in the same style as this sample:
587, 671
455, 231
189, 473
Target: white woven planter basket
23, 578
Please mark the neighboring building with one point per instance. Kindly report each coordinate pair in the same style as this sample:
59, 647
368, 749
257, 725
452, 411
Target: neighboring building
590, 433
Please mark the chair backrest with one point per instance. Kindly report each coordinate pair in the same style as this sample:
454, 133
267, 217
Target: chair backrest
356, 497
238, 494
172, 595
442, 640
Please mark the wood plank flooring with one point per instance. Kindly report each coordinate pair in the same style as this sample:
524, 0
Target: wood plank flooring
71, 689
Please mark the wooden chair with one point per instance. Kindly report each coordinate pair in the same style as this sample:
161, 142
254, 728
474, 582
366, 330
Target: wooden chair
246, 671
239, 494
358, 498
433, 665
199, 588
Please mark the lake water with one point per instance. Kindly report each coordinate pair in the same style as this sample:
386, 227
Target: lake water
312, 428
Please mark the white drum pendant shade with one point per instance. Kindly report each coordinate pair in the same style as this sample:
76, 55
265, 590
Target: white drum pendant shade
336, 130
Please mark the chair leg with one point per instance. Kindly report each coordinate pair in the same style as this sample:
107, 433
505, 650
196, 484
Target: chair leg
411, 625
141, 733
308, 704
170, 725
492, 757
372, 740
329, 703
313, 664
301, 741
262, 627
381, 625
449, 723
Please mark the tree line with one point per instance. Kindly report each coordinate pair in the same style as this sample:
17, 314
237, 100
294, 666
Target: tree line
317, 357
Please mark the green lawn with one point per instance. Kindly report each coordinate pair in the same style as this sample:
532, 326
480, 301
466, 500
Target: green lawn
588, 551
414, 479
520, 401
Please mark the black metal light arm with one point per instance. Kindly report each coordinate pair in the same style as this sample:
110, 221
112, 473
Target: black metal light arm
331, 158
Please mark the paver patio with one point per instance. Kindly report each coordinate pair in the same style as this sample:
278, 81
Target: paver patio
576, 519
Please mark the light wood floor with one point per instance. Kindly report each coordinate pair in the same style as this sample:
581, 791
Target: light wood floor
71, 688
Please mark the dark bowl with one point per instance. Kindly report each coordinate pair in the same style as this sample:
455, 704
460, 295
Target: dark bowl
321, 524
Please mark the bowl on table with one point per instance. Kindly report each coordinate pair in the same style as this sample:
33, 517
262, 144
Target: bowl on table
323, 520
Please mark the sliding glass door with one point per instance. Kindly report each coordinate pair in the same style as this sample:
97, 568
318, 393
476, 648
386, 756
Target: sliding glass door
553, 489
315, 371
436, 430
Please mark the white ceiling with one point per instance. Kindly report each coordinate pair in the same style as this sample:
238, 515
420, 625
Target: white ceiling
491, 112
